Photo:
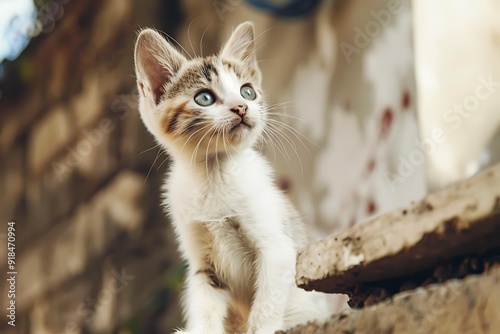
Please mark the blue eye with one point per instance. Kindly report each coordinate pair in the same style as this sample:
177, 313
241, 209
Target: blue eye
248, 93
204, 98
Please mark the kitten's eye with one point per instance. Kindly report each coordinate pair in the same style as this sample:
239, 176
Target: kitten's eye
248, 93
204, 99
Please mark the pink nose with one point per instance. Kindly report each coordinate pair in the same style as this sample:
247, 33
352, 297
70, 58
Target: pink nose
240, 109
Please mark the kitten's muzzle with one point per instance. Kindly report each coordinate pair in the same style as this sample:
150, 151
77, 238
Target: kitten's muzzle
240, 109
237, 122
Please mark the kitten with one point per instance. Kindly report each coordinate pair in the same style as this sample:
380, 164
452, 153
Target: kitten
237, 231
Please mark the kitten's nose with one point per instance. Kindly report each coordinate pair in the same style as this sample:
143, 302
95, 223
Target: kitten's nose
241, 109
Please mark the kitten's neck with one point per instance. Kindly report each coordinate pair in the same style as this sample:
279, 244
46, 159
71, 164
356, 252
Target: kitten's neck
212, 167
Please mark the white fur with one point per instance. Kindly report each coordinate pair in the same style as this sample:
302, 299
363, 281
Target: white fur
230, 217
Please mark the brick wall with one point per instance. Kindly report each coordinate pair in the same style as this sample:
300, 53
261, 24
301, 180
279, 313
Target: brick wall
94, 251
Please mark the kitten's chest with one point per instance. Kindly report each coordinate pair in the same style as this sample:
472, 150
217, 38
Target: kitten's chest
213, 203
227, 250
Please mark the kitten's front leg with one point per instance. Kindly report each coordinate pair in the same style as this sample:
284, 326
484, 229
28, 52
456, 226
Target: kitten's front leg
275, 266
205, 304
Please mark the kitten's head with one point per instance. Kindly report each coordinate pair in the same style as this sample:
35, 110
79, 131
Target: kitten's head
200, 106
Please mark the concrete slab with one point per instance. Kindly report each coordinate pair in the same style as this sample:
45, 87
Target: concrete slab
459, 220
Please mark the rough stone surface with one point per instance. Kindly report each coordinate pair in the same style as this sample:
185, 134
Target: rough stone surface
11, 185
462, 219
47, 138
471, 305
73, 178
67, 251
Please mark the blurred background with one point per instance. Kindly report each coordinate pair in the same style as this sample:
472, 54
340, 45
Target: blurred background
383, 102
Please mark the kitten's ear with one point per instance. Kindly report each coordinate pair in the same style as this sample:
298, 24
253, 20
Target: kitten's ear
156, 62
241, 44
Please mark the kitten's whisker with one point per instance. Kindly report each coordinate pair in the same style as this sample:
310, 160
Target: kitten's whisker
279, 107
254, 39
146, 150
277, 110
300, 140
217, 148
284, 103
199, 142
234, 148
267, 141
189, 35
288, 140
189, 138
279, 144
262, 33
280, 147
203, 35
261, 46
245, 60
295, 133
225, 148
289, 116
150, 168
206, 150
167, 158
179, 44
207, 124
201, 123
273, 146
294, 147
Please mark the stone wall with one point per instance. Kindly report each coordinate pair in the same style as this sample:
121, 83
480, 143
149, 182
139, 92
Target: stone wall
94, 251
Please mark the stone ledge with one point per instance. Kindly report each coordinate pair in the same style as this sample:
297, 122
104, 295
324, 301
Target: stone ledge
471, 305
459, 220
